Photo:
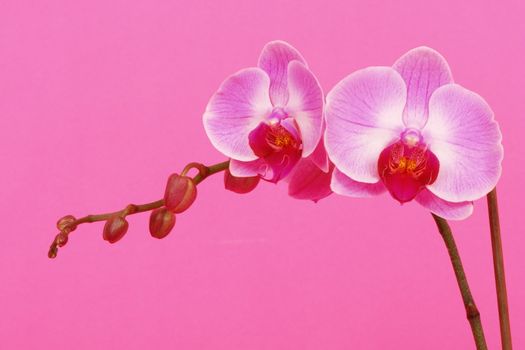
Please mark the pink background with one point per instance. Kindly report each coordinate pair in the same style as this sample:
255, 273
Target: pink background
101, 100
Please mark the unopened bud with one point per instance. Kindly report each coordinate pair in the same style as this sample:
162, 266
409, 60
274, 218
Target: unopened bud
180, 193
61, 239
240, 184
115, 228
161, 222
53, 250
66, 222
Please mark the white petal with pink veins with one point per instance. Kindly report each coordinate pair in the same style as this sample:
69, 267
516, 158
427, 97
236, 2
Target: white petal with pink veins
462, 133
305, 105
239, 105
363, 116
440, 207
274, 60
343, 185
424, 70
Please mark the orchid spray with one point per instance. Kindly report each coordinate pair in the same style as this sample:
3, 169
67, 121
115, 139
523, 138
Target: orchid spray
407, 130
411, 131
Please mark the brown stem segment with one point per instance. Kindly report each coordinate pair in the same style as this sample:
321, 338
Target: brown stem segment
499, 270
203, 173
470, 306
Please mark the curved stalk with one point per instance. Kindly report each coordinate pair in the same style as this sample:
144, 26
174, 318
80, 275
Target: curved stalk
473, 315
499, 270
203, 173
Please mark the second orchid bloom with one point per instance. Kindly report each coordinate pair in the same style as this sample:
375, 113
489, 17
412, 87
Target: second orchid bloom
269, 121
410, 130
406, 129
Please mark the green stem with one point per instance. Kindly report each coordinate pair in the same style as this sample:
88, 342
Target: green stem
499, 270
470, 306
130, 209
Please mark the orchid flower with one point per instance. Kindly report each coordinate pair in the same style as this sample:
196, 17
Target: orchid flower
411, 130
269, 119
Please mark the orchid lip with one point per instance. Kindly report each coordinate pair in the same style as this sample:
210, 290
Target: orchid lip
278, 145
407, 166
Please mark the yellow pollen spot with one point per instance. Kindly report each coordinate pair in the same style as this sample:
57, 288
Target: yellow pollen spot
412, 165
283, 140
398, 165
402, 163
280, 138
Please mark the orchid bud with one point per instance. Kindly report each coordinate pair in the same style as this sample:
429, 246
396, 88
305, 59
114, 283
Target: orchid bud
115, 228
161, 222
65, 223
53, 250
240, 184
61, 239
180, 193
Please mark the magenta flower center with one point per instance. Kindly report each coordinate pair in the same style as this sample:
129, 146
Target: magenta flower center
279, 145
407, 166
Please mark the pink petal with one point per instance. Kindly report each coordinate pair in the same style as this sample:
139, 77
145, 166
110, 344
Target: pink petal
274, 60
319, 157
363, 116
277, 146
258, 139
247, 169
424, 70
240, 185
343, 185
305, 105
447, 210
308, 181
239, 105
462, 133
273, 168
280, 164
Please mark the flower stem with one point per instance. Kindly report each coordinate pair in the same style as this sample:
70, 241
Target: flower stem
499, 270
203, 173
470, 306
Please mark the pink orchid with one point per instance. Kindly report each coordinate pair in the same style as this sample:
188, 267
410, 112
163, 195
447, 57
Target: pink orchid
410, 130
269, 119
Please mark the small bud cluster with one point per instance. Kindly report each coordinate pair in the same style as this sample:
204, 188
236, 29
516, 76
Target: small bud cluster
65, 225
179, 195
